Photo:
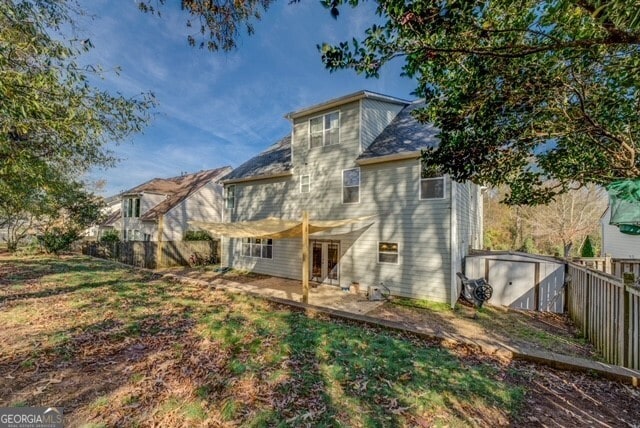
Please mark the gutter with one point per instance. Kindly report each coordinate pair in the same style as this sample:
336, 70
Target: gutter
389, 158
257, 177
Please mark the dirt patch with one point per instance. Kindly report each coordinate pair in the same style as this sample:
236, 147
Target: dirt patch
537, 330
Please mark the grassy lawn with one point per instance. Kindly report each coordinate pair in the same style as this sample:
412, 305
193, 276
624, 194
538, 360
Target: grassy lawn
118, 347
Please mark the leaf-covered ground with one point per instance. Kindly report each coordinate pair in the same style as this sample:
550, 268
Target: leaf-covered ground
118, 347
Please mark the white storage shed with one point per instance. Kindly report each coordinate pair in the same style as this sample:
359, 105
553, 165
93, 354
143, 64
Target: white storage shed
520, 280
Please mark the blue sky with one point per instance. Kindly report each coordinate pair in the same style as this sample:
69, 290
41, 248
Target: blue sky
219, 109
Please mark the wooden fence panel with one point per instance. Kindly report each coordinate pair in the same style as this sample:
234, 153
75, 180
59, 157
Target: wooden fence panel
144, 253
632, 323
607, 312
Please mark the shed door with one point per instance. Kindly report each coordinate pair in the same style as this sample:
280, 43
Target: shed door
513, 283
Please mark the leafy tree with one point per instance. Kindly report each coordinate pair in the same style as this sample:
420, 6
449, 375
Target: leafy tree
587, 248
523, 92
54, 125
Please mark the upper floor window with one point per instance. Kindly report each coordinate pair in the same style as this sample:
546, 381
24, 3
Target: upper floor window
230, 198
432, 183
305, 184
132, 207
351, 186
324, 130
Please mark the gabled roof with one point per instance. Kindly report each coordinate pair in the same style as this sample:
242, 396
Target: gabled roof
404, 135
177, 189
343, 100
274, 161
113, 217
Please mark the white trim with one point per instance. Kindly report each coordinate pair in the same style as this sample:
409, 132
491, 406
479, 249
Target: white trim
389, 158
387, 252
360, 126
324, 131
336, 102
359, 185
454, 247
309, 184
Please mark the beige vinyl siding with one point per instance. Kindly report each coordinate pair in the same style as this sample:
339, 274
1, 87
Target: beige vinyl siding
390, 190
204, 205
420, 227
376, 115
469, 213
616, 244
147, 201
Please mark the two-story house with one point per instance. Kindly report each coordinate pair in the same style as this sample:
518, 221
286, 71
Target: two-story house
161, 208
355, 159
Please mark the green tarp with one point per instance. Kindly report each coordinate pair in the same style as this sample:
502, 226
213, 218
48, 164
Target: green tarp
624, 198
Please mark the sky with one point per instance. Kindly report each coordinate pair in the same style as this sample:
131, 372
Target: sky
217, 109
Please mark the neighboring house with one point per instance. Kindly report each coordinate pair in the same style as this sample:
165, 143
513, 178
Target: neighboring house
112, 205
162, 207
615, 243
350, 158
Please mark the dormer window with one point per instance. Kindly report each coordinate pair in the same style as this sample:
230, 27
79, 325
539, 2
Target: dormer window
131, 207
324, 130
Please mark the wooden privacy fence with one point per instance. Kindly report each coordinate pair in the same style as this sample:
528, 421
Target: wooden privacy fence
615, 267
144, 253
607, 311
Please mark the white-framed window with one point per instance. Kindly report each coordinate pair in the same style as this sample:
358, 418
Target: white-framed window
351, 186
131, 207
324, 130
230, 196
432, 183
388, 253
259, 248
305, 183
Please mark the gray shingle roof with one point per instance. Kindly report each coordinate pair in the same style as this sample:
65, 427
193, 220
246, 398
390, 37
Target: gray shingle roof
403, 135
275, 159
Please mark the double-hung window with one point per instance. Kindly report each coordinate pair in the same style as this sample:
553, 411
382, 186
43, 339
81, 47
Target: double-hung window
132, 207
230, 197
324, 130
351, 186
388, 252
305, 183
432, 183
257, 247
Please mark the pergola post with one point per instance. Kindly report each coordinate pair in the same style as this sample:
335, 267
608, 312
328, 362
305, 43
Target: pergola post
305, 257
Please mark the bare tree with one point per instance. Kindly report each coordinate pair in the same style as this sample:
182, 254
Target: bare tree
569, 218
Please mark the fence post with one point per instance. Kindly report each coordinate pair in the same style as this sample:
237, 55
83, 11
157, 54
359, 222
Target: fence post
628, 280
587, 304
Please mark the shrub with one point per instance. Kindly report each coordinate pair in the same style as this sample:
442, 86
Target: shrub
57, 240
587, 248
197, 235
110, 236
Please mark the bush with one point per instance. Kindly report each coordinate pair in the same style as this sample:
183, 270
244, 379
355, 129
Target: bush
57, 240
109, 237
197, 235
587, 248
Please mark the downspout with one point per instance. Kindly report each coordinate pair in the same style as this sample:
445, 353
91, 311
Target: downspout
454, 245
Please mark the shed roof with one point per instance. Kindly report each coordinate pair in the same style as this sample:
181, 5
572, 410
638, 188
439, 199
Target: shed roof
276, 159
403, 135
